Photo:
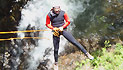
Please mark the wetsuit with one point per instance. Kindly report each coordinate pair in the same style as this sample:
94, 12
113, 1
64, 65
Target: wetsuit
57, 20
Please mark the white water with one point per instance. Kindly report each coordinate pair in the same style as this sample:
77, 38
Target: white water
35, 13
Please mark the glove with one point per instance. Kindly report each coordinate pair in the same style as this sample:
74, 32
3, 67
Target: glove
56, 29
61, 28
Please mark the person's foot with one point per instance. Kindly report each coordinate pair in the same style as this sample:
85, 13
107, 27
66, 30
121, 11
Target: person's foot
56, 66
89, 56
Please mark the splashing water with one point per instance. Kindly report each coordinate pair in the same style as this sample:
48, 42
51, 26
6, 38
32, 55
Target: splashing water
34, 14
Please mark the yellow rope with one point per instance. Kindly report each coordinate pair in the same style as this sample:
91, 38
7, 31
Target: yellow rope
24, 38
56, 33
22, 31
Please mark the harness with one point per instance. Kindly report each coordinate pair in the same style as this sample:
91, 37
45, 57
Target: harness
57, 32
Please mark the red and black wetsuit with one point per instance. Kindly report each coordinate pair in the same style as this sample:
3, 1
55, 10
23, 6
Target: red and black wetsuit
57, 20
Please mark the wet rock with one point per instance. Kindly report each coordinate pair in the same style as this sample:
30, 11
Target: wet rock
68, 62
10, 15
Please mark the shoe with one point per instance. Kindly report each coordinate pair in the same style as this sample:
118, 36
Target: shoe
56, 66
89, 56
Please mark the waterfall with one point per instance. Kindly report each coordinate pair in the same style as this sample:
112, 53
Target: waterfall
34, 15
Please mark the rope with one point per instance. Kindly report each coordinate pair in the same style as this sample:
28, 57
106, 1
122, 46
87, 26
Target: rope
56, 33
25, 38
22, 31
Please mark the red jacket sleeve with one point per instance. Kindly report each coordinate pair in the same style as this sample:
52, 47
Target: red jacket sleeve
67, 20
48, 22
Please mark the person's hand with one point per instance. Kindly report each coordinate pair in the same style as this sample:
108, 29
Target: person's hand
61, 28
56, 29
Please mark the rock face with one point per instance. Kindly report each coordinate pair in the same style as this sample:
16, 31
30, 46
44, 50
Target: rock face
10, 15
68, 62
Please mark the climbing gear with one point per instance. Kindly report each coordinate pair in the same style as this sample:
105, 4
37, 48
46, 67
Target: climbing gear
55, 29
22, 31
57, 32
89, 56
24, 38
56, 6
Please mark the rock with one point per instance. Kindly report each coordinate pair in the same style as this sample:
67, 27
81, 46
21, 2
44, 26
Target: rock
68, 61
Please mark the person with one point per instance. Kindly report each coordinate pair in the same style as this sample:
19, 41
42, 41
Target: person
57, 16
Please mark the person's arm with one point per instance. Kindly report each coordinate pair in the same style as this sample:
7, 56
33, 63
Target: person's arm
67, 20
48, 22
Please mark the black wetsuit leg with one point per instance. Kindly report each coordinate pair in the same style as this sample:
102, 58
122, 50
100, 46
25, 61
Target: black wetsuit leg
71, 39
56, 41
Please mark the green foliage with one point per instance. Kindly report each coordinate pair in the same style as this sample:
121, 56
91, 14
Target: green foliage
102, 18
83, 62
107, 43
112, 60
